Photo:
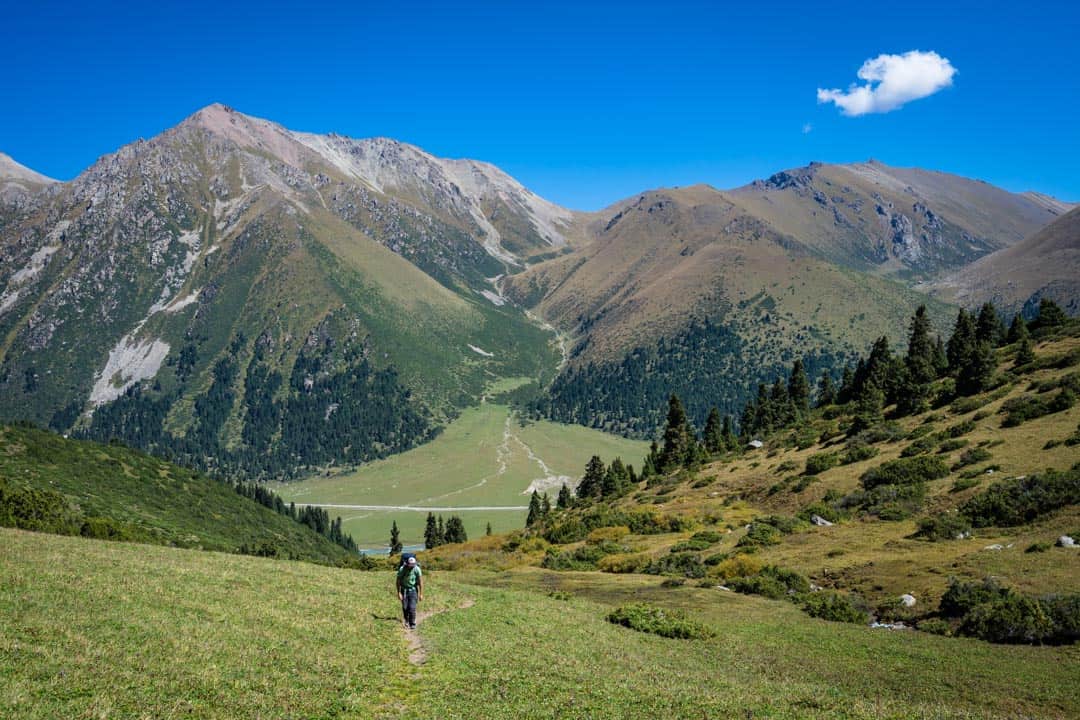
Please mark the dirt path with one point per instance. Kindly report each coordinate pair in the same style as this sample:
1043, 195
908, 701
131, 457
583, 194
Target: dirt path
418, 653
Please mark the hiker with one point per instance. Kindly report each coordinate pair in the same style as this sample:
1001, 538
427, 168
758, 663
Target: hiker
410, 590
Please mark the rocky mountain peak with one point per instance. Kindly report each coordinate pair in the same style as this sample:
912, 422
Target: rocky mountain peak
12, 170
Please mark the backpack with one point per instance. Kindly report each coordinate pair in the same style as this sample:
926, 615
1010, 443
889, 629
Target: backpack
405, 558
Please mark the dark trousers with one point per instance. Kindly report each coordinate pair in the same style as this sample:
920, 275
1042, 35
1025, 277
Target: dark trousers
408, 606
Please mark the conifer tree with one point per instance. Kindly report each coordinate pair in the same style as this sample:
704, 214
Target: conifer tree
798, 389
431, 533
714, 439
592, 483
846, 393
488, 530
1017, 330
441, 531
920, 355
941, 358
678, 437
1024, 352
455, 530
731, 441
826, 390
564, 500
545, 505
978, 371
868, 409
989, 327
962, 343
1050, 315
395, 539
534, 510
616, 479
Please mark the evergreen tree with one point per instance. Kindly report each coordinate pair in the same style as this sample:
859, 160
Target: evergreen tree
488, 530
545, 505
962, 343
868, 409
978, 371
455, 530
731, 442
1050, 315
826, 391
846, 393
1017, 330
989, 327
798, 388
564, 500
395, 539
1024, 352
920, 355
650, 466
431, 533
678, 437
941, 358
534, 510
592, 484
714, 439
441, 531
616, 479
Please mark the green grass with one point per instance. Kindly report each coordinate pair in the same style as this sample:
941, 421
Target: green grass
170, 504
117, 630
480, 460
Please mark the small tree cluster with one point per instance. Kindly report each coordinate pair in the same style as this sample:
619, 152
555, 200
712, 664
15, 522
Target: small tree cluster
437, 533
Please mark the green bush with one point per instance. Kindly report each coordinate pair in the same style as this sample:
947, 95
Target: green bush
948, 446
888, 502
820, 462
905, 471
1028, 407
710, 536
970, 457
824, 510
965, 483
957, 430
948, 526
658, 621
858, 453
771, 582
935, 626
833, 606
1064, 614
1012, 618
685, 564
1038, 547
690, 545
28, 508
961, 597
920, 447
1019, 501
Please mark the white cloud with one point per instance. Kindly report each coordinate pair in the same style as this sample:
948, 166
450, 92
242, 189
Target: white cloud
807, 128
892, 81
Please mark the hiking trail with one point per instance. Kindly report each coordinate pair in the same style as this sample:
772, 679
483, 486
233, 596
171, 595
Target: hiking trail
418, 653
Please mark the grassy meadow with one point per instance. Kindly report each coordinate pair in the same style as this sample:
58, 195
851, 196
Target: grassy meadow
484, 459
97, 629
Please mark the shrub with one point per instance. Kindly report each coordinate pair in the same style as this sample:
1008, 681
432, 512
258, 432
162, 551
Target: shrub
970, 457
957, 430
771, 582
961, 597
1019, 501
582, 558
659, 621
608, 534
760, 534
1064, 613
804, 482
673, 582
623, 563
685, 564
965, 483
1011, 618
836, 607
786, 466
888, 502
823, 510
858, 453
738, 566
905, 471
39, 510
949, 445
1038, 547
1028, 407
919, 447
108, 529
820, 462
948, 526
690, 546
710, 536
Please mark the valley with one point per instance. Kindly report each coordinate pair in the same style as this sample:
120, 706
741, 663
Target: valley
486, 457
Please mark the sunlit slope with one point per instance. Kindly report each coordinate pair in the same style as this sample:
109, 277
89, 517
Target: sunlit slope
484, 459
95, 629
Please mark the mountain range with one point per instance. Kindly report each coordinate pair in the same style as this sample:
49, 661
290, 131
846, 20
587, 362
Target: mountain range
240, 295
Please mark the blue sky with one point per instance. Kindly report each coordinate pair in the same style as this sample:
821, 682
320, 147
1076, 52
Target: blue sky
586, 103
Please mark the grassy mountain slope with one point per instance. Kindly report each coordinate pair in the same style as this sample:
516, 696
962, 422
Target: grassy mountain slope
230, 247
108, 628
669, 257
1045, 264
152, 500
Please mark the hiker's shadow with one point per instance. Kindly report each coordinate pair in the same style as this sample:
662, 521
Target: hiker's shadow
390, 618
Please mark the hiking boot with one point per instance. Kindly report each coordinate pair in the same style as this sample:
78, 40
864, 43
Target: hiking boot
412, 626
